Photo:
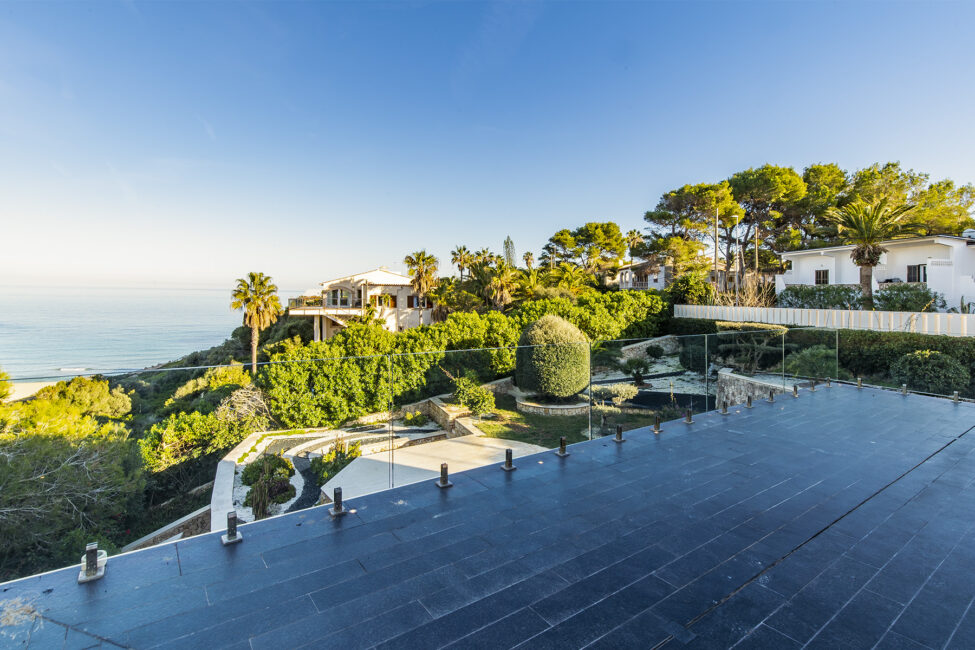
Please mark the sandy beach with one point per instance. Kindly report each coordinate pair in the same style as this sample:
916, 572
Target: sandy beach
23, 389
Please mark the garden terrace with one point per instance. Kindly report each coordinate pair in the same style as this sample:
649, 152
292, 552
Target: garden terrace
841, 518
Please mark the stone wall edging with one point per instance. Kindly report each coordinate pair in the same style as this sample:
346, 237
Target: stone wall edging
580, 408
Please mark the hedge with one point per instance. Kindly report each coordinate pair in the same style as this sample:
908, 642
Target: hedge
863, 352
931, 372
689, 326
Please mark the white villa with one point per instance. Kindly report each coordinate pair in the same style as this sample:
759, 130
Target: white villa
945, 263
644, 275
336, 301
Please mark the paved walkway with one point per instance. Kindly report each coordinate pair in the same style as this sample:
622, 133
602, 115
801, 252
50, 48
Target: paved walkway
370, 474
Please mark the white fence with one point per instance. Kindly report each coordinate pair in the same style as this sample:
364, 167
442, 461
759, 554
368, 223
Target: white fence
881, 321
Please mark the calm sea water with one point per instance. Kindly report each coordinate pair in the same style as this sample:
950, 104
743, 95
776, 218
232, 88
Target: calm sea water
56, 332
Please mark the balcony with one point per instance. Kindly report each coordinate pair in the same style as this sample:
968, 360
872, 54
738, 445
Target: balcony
317, 302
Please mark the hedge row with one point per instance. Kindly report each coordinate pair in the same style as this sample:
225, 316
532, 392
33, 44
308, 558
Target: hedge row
689, 326
863, 352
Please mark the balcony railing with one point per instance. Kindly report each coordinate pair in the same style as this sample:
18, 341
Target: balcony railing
635, 284
316, 302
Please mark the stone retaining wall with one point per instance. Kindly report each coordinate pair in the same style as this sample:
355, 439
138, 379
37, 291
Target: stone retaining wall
735, 389
195, 523
639, 350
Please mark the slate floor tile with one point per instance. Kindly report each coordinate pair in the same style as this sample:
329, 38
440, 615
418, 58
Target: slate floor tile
505, 633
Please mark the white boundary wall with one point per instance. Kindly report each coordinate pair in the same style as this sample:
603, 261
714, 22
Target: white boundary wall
880, 321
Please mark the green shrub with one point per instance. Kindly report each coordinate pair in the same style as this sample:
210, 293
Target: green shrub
414, 419
552, 358
823, 296
259, 499
6, 388
929, 371
817, 362
901, 296
692, 356
474, 397
655, 351
90, 395
269, 464
326, 466
634, 368
616, 393
866, 353
690, 289
188, 436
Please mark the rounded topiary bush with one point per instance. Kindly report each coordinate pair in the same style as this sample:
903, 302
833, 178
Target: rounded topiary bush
552, 358
930, 372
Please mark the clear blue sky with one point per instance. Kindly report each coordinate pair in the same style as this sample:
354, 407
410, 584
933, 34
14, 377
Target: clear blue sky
190, 143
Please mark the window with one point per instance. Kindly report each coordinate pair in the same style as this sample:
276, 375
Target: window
917, 273
822, 276
338, 298
383, 300
416, 302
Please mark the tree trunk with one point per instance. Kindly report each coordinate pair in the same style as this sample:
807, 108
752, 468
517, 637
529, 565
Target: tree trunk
866, 285
254, 339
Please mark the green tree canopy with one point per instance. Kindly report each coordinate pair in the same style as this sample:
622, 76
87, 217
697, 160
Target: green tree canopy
941, 207
766, 194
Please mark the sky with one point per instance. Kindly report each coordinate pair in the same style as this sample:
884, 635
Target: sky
178, 144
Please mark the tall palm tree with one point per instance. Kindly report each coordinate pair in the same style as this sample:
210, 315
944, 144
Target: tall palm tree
423, 268
866, 225
461, 258
633, 239
502, 284
529, 259
479, 277
258, 297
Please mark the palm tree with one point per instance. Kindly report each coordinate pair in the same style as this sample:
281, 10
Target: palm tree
479, 277
484, 256
570, 276
502, 284
461, 258
866, 226
423, 268
529, 283
529, 259
633, 239
258, 297
441, 295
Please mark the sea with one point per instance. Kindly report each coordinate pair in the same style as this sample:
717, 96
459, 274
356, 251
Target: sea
56, 332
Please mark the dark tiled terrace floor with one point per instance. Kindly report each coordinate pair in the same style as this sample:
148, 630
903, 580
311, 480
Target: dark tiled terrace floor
843, 518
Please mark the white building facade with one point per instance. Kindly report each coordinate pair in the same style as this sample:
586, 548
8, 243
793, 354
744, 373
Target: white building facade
944, 263
643, 276
390, 295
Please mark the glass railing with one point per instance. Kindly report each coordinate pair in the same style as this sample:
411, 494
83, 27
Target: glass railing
372, 422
